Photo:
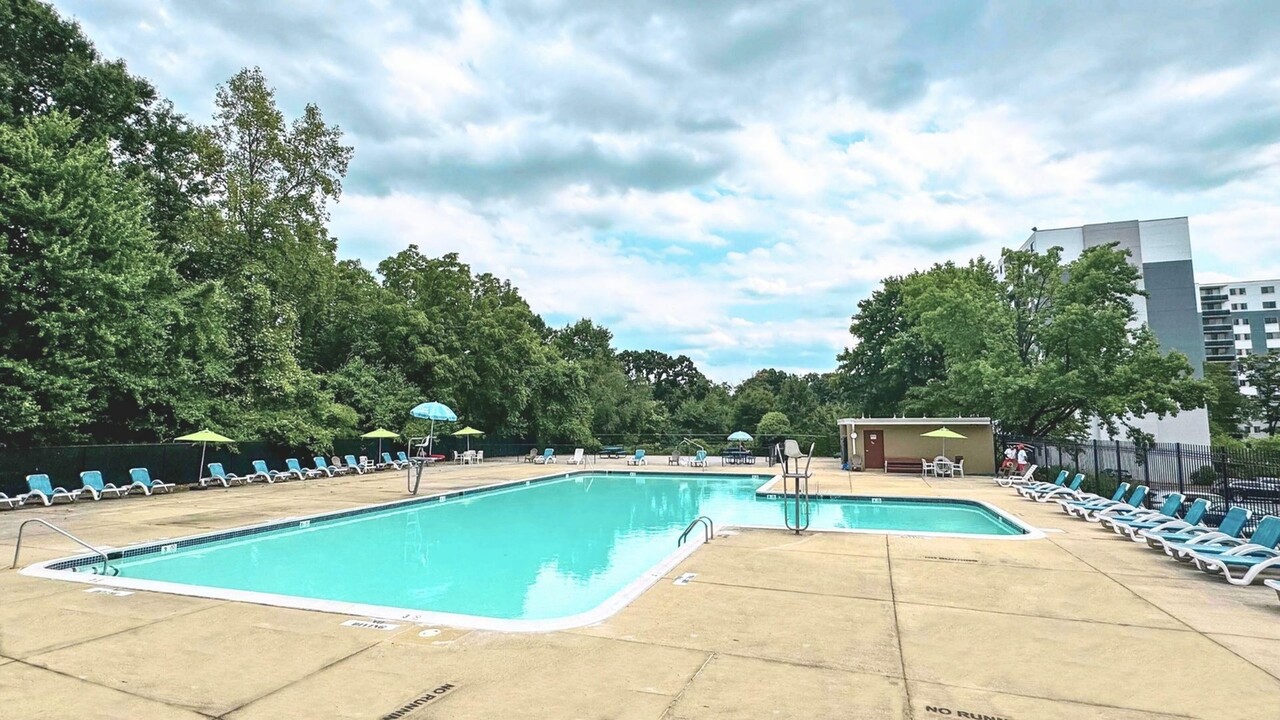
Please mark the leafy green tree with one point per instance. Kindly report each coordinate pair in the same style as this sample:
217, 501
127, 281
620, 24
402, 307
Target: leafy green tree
773, 425
673, 379
1262, 372
1228, 407
77, 264
750, 405
889, 355
1043, 348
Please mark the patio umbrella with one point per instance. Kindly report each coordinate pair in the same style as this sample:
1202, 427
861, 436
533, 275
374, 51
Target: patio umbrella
467, 432
380, 433
740, 437
943, 433
204, 437
433, 411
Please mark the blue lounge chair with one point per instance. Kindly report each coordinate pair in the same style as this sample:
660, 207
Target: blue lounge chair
1168, 511
38, 486
1042, 486
141, 478
1069, 505
218, 475
547, 456
261, 470
1194, 515
388, 460
293, 467
92, 481
351, 463
323, 467
402, 457
1037, 491
1096, 512
699, 459
1249, 559
1231, 526
1069, 491
638, 458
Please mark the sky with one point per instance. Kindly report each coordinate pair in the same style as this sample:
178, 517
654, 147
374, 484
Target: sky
727, 179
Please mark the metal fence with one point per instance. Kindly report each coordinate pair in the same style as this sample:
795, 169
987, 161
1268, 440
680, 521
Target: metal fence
1248, 478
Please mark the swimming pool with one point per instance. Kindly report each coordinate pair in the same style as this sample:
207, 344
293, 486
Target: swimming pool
532, 555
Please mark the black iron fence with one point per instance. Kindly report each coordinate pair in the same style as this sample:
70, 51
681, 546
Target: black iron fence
1224, 477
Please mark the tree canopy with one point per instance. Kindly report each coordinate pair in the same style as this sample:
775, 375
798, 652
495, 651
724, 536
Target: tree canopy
1044, 347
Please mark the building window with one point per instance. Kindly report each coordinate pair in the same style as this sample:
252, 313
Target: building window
1242, 336
1239, 306
1240, 321
1269, 305
1241, 352
1237, 291
1271, 320
1273, 336
1268, 289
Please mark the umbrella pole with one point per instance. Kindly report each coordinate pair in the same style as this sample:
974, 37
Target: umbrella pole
200, 470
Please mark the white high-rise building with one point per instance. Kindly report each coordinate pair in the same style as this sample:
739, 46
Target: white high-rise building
1240, 319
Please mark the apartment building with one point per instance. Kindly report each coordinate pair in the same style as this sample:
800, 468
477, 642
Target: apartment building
1240, 319
1161, 250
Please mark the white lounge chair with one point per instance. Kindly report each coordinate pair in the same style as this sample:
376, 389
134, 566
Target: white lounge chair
577, 458
926, 468
1024, 478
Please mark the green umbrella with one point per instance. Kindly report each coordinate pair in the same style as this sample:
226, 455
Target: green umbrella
943, 433
380, 433
467, 432
204, 437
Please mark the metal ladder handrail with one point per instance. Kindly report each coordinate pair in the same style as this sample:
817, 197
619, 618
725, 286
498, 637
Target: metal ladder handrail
106, 565
708, 529
802, 517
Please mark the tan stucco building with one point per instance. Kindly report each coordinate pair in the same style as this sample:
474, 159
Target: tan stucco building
878, 440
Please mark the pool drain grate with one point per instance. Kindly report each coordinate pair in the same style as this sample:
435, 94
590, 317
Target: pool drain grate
949, 559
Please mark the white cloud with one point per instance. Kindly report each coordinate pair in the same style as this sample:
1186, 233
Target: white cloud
729, 179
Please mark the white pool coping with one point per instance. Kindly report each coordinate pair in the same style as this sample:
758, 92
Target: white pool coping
611, 606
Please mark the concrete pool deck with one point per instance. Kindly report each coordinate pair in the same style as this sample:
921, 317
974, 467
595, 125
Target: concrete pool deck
1081, 624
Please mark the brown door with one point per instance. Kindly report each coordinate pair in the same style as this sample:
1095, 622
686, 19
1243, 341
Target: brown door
873, 444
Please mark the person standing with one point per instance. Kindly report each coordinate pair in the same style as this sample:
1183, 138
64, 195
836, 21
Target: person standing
1010, 459
1022, 459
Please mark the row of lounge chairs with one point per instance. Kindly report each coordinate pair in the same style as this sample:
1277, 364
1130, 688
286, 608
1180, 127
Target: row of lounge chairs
579, 457
41, 489
1181, 535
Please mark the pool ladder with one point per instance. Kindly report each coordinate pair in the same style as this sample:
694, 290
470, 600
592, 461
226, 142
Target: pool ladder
795, 504
708, 529
107, 569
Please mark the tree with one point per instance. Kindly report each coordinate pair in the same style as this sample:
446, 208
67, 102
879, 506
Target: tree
673, 379
1229, 408
1043, 348
1262, 372
750, 405
888, 357
773, 425
77, 265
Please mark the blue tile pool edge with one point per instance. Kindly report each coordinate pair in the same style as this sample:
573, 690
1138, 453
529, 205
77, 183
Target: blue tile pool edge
57, 569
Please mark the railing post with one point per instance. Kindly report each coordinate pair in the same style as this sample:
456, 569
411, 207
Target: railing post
1097, 471
1177, 452
1119, 469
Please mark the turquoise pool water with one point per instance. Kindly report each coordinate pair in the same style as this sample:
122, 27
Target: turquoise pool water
550, 549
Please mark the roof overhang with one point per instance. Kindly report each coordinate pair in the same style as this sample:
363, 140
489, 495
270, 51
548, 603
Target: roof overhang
915, 421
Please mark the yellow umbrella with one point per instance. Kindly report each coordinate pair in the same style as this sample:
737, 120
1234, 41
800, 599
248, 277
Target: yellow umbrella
943, 433
204, 437
467, 432
380, 433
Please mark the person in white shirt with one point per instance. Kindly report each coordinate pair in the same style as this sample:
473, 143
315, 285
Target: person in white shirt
1022, 459
1010, 459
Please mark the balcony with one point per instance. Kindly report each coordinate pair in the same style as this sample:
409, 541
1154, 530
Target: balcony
1216, 312
1213, 297
1218, 329
1222, 342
